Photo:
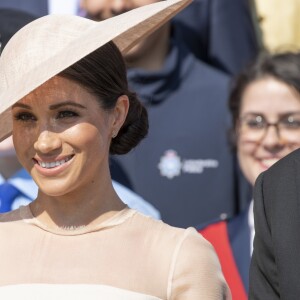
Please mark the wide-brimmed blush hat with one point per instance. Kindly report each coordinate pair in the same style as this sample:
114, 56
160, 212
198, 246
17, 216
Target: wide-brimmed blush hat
49, 45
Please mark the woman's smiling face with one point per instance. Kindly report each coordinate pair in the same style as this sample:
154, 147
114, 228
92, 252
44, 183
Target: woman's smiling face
62, 136
270, 100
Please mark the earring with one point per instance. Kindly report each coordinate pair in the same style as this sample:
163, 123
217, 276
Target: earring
114, 134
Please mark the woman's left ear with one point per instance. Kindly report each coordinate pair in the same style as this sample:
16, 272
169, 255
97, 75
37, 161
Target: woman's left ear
119, 114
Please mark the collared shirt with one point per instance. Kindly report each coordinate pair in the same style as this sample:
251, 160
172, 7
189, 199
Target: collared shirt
23, 182
251, 225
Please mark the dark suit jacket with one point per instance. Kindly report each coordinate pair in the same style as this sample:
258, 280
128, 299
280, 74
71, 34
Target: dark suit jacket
275, 265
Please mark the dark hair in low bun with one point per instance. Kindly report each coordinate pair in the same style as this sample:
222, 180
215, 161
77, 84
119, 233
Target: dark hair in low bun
134, 129
103, 73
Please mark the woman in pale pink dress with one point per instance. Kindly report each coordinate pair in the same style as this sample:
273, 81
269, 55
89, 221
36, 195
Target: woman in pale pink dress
71, 108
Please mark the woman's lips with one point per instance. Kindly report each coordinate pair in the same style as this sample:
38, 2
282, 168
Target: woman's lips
52, 168
266, 163
53, 164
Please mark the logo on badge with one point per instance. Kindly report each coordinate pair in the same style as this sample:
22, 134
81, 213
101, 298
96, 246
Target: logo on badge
170, 164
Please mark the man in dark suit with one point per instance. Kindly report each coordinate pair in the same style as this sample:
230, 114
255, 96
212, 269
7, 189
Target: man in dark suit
275, 265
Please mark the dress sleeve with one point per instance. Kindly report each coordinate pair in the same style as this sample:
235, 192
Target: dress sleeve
263, 270
196, 271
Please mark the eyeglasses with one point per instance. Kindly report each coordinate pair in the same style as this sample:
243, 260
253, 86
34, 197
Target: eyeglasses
253, 127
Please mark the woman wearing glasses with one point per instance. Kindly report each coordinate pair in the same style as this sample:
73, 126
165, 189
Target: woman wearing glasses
265, 108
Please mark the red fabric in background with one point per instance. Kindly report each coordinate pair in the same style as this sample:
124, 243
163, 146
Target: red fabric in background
217, 235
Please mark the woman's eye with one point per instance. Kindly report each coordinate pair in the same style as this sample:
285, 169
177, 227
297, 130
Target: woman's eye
254, 124
291, 123
67, 114
25, 117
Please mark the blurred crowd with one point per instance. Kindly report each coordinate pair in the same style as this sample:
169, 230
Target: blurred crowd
221, 86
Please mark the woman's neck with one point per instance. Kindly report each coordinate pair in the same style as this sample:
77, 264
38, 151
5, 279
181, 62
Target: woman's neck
77, 209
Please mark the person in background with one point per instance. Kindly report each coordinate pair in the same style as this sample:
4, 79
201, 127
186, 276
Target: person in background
265, 108
16, 185
221, 33
227, 36
275, 262
70, 108
186, 154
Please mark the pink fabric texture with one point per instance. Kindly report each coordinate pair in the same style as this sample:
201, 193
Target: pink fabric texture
129, 253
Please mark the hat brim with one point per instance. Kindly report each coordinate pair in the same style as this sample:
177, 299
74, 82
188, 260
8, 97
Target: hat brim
49, 45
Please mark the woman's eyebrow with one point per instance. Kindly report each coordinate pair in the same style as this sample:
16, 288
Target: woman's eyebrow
65, 103
53, 106
21, 105
288, 113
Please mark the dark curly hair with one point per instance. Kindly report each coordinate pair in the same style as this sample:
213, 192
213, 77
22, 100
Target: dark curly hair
103, 73
284, 67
